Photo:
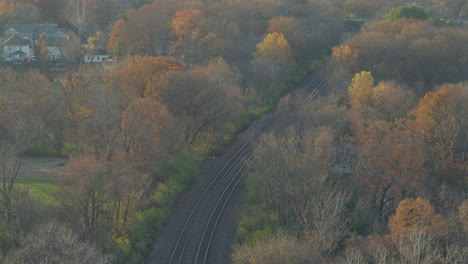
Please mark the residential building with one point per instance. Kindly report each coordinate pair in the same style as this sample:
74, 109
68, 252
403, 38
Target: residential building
16, 49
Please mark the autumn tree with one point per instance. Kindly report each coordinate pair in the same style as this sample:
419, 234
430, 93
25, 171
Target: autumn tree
416, 214
281, 249
205, 99
187, 26
361, 89
42, 53
136, 74
292, 29
440, 120
392, 100
395, 49
388, 161
463, 215
142, 123
274, 53
84, 193
143, 31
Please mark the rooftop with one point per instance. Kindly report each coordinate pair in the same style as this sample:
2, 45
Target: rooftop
16, 41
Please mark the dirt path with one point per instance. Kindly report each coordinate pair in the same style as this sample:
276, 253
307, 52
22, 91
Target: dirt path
44, 168
221, 248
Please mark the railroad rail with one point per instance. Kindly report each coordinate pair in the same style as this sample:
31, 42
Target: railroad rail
196, 237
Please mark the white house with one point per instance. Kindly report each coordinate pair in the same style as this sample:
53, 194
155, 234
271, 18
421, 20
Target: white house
105, 60
56, 48
16, 49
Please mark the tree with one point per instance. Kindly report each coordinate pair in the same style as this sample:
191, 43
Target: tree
137, 74
440, 120
274, 53
389, 160
414, 215
296, 183
84, 193
277, 250
407, 12
186, 23
19, 128
293, 31
142, 124
77, 13
205, 99
42, 53
463, 215
143, 31
361, 89
55, 244
393, 100
187, 26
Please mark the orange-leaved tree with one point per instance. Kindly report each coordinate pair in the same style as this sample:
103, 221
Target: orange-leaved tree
413, 215
440, 120
136, 74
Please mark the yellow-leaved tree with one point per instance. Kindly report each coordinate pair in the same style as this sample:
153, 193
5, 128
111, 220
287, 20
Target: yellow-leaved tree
361, 89
274, 54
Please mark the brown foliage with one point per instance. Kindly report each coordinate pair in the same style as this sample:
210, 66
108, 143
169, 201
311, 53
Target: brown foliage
408, 50
186, 23
283, 249
136, 74
440, 120
416, 214
145, 31
142, 124
205, 99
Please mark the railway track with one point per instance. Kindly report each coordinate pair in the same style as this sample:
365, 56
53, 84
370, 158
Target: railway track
196, 237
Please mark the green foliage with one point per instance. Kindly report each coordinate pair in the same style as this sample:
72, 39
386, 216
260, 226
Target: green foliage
177, 175
42, 190
46, 147
407, 12
256, 222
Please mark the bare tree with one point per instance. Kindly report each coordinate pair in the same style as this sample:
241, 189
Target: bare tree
54, 244
19, 133
77, 13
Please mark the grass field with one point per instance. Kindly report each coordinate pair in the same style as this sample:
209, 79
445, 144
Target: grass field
40, 175
43, 190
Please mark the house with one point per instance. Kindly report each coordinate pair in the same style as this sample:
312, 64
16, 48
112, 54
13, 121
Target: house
105, 60
16, 49
33, 31
56, 48
22, 38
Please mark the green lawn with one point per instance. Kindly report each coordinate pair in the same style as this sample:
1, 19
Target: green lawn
43, 190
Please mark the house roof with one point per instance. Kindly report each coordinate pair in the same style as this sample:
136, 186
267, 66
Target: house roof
49, 29
98, 58
18, 52
56, 42
29, 28
16, 41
